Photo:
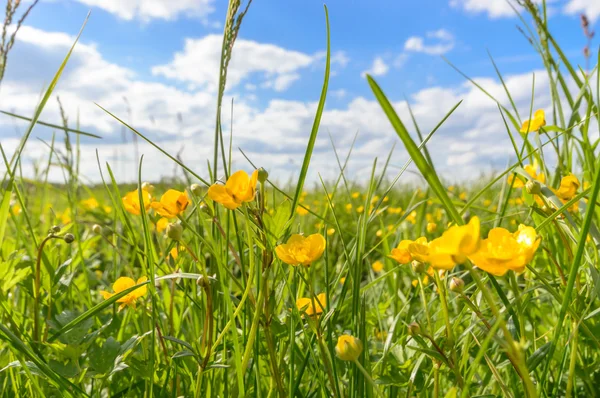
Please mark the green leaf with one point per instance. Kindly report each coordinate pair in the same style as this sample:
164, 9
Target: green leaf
413, 150
102, 359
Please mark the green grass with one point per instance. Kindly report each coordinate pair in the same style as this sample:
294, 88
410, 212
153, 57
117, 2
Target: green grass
220, 318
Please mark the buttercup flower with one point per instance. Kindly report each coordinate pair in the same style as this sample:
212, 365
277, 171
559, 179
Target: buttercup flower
302, 210
124, 283
238, 189
89, 204
568, 187
400, 253
348, 348
131, 201
533, 171
171, 204
301, 250
503, 251
377, 266
538, 121
312, 306
161, 224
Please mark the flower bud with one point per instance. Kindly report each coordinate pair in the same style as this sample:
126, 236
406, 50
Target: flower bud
206, 209
174, 231
414, 329
457, 285
69, 238
55, 229
418, 267
533, 187
146, 186
196, 189
97, 229
262, 175
348, 348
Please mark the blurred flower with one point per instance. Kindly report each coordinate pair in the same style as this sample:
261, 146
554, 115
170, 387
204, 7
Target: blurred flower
312, 306
16, 209
355, 195
538, 121
124, 283
349, 207
238, 189
360, 209
568, 187
400, 253
348, 348
412, 217
131, 201
463, 196
431, 227
89, 204
330, 231
377, 266
302, 210
300, 250
532, 170
161, 224
172, 203
503, 251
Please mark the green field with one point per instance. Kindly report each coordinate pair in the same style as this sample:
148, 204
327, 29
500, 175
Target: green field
235, 286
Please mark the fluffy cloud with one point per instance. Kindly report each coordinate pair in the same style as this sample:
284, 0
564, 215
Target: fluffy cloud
589, 7
198, 63
379, 68
437, 42
493, 8
147, 10
274, 136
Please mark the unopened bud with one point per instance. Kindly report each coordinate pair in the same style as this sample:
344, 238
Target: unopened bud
174, 231
69, 238
414, 329
206, 209
196, 189
262, 175
97, 229
418, 266
55, 229
533, 187
348, 348
457, 285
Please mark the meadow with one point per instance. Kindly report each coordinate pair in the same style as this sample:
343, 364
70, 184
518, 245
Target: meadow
233, 286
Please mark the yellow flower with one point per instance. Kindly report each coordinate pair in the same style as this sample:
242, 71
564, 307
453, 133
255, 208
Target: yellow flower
89, 204
302, 210
300, 250
503, 251
487, 203
568, 187
431, 227
238, 189
171, 204
349, 207
330, 231
131, 201
539, 121
360, 209
65, 216
454, 245
175, 252
463, 196
377, 266
312, 307
124, 283
419, 249
412, 217
400, 253
16, 209
161, 224
532, 170
348, 348
355, 195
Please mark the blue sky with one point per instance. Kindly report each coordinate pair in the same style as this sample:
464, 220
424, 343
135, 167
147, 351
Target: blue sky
160, 55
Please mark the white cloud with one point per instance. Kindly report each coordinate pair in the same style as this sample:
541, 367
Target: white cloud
589, 7
435, 43
379, 68
274, 135
147, 10
200, 60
